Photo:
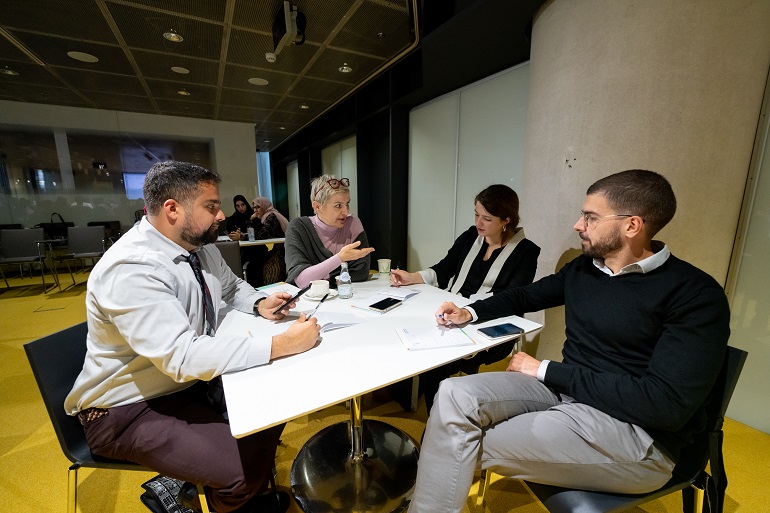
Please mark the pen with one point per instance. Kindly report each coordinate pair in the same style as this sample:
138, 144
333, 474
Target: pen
441, 316
317, 306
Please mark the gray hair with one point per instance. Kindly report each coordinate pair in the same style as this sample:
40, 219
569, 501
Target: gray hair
321, 190
174, 180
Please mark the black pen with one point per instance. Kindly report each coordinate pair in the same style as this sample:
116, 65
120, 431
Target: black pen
316, 307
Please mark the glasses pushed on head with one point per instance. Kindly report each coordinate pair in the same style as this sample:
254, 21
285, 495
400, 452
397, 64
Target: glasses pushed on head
332, 183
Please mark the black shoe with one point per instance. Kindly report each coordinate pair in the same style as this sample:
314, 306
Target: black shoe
270, 502
188, 497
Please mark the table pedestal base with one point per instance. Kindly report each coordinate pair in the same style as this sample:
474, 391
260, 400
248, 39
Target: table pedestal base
330, 475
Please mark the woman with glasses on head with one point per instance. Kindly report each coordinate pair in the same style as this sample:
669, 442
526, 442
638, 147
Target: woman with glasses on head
489, 257
317, 245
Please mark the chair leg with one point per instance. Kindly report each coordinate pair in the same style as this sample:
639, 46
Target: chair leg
202, 499
4, 278
72, 489
481, 499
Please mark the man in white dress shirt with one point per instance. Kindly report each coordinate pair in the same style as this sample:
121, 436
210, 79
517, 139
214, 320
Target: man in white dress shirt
152, 346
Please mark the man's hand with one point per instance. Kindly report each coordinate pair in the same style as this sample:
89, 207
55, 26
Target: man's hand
349, 252
301, 336
522, 362
273, 301
450, 313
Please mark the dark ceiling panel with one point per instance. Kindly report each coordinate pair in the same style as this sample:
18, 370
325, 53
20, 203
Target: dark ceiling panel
76, 20
53, 51
158, 65
28, 73
144, 29
224, 46
95, 81
377, 28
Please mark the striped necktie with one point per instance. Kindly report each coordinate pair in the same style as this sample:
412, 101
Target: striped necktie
208, 305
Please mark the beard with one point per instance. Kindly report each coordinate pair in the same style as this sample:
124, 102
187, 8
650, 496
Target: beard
199, 239
602, 247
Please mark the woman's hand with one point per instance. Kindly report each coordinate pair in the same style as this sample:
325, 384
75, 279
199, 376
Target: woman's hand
301, 336
450, 313
399, 277
350, 252
236, 235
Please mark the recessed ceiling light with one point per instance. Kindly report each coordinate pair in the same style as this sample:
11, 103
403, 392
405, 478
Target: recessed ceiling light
345, 68
83, 57
180, 70
8, 71
281, 128
184, 92
172, 36
304, 106
258, 81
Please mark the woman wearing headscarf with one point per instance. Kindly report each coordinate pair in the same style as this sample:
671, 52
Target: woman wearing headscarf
237, 224
273, 223
253, 257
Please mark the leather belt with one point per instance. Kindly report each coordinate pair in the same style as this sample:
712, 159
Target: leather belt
91, 414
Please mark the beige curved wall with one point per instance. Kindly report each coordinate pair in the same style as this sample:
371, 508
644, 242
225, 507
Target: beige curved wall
674, 87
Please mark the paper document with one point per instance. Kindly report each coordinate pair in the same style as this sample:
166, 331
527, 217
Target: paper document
399, 292
433, 337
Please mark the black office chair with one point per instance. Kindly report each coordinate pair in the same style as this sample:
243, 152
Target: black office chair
112, 230
690, 476
83, 243
56, 361
23, 247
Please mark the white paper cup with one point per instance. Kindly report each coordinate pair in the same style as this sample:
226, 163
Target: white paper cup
383, 265
318, 288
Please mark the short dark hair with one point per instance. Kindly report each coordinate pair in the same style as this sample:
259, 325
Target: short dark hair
500, 201
174, 180
639, 192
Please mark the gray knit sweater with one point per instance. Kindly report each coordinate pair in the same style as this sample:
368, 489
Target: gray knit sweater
304, 249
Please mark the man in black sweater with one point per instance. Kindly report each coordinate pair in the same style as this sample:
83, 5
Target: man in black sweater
646, 336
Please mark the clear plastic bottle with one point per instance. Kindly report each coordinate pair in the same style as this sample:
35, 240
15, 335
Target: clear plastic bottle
345, 284
250, 230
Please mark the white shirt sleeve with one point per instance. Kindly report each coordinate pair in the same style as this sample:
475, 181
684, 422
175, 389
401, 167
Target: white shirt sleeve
541, 370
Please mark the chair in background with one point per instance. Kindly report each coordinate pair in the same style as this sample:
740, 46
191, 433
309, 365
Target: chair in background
112, 230
690, 476
231, 252
11, 226
23, 247
56, 362
84, 243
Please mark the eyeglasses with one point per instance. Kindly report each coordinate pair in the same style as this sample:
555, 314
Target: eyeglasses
334, 183
591, 220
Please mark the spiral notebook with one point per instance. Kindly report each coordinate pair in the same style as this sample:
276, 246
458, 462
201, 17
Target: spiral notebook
433, 337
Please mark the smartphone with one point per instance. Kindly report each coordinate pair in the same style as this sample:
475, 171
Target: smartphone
291, 300
501, 330
385, 305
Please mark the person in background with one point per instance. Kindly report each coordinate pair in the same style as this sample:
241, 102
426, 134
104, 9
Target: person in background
253, 257
273, 223
152, 305
317, 245
238, 223
491, 256
646, 337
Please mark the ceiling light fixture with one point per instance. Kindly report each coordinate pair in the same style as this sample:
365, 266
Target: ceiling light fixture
345, 68
83, 57
172, 36
180, 70
304, 106
184, 92
8, 71
258, 81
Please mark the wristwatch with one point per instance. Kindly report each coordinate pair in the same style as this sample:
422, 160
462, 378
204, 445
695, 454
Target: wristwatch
256, 305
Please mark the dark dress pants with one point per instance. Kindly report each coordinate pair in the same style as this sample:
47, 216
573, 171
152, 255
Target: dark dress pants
181, 436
